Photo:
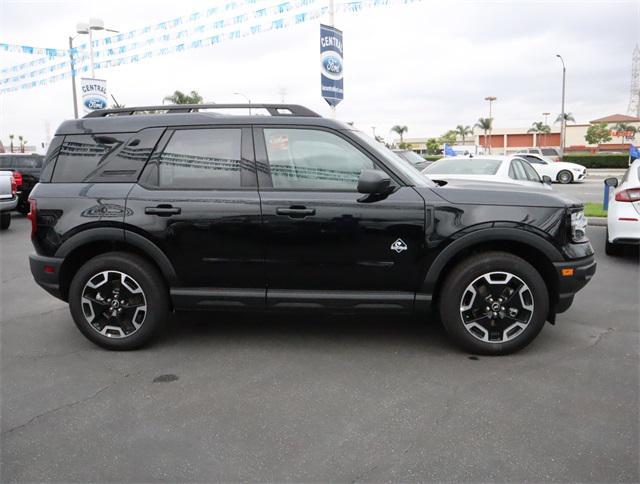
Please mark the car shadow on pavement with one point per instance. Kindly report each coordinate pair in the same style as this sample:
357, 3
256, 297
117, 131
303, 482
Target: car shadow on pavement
418, 332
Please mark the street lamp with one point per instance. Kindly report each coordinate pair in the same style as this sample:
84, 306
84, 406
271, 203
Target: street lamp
490, 99
546, 115
246, 97
563, 121
373, 128
88, 28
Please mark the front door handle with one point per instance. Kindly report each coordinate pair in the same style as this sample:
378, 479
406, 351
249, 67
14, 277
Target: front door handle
296, 212
163, 210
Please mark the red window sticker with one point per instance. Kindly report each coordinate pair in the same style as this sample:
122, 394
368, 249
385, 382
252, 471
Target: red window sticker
279, 142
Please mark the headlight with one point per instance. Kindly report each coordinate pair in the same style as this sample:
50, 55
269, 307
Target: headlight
578, 226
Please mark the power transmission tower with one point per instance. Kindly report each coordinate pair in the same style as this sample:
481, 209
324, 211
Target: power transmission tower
634, 97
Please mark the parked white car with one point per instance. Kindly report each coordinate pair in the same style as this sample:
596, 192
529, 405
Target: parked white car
502, 169
623, 216
8, 198
560, 171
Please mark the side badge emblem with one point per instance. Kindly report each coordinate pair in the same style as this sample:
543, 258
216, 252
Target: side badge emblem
399, 246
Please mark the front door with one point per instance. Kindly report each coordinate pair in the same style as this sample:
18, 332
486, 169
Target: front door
197, 200
325, 245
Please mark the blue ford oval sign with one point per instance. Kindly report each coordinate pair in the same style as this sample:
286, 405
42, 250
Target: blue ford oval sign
93, 103
94, 94
331, 66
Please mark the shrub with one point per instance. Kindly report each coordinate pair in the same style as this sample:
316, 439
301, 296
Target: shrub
599, 161
432, 157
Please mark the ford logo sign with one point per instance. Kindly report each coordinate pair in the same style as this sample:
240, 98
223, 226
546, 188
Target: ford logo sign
332, 65
95, 103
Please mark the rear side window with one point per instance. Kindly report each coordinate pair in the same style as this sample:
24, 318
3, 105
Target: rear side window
5, 161
549, 152
49, 161
27, 162
202, 159
104, 157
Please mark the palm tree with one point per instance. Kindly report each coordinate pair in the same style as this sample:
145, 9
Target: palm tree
568, 118
178, 97
485, 124
20, 138
540, 128
463, 131
621, 128
400, 130
11, 136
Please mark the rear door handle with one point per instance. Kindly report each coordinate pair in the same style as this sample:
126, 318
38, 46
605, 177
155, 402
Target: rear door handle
296, 212
162, 210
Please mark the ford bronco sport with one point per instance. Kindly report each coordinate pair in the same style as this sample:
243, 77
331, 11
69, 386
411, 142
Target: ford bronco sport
143, 211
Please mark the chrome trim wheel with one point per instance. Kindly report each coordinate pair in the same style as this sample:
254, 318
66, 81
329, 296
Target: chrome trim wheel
114, 304
496, 307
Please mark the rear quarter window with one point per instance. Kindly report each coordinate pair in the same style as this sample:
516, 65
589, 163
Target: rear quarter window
104, 157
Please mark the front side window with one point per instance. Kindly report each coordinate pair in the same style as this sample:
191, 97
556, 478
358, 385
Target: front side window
313, 160
516, 171
202, 159
532, 174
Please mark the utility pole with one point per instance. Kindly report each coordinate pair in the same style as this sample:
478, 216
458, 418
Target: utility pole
490, 99
545, 124
73, 79
563, 122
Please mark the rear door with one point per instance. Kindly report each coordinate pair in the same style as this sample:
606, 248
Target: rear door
197, 200
326, 246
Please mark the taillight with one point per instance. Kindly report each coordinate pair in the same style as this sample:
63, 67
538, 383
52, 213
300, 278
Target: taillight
18, 177
630, 195
33, 216
14, 185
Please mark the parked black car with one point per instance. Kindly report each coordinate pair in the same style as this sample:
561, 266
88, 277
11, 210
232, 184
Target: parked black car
29, 165
139, 215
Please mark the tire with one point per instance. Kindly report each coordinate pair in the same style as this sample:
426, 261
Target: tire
5, 220
609, 248
565, 177
23, 208
142, 289
509, 331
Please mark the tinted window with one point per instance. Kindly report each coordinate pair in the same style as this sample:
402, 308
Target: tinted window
467, 166
533, 159
532, 174
549, 152
201, 159
27, 161
313, 159
82, 155
50, 158
5, 161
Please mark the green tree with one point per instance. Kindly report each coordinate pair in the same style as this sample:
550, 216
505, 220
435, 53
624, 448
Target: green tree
598, 133
485, 124
449, 137
400, 131
622, 127
433, 146
178, 97
463, 131
539, 128
568, 118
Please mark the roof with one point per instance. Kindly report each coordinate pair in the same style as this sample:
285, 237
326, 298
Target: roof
617, 118
124, 121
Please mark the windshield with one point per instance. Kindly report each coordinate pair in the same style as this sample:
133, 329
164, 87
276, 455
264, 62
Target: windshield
394, 160
466, 166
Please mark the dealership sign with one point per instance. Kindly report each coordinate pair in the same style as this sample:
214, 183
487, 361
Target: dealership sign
331, 66
94, 94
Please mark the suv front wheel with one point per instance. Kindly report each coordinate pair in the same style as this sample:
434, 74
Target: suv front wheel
118, 300
494, 303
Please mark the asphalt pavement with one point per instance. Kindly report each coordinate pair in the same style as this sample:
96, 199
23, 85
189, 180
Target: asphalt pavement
592, 189
310, 398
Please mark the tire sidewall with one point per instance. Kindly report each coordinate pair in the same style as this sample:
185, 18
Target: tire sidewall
569, 180
475, 267
149, 280
5, 220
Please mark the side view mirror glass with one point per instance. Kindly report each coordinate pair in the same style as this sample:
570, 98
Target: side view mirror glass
611, 182
546, 180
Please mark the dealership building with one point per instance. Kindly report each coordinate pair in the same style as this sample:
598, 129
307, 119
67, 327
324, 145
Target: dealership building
512, 140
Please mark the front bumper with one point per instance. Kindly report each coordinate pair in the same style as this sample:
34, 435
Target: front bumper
572, 276
46, 272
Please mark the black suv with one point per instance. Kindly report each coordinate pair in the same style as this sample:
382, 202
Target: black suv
29, 165
142, 211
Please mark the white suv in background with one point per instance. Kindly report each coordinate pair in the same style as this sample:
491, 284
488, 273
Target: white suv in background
623, 217
560, 171
552, 153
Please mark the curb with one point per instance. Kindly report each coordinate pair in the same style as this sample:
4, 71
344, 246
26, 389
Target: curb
597, 221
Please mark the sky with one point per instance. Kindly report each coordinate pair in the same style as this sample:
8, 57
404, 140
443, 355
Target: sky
427, 65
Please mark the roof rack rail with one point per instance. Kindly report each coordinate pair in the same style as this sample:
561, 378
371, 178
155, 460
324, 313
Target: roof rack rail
273, 109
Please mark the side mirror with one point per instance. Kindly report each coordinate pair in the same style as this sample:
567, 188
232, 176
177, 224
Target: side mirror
546, 180
611, 182
375, 184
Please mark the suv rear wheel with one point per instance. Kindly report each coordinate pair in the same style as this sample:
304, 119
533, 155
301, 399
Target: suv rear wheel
118, 300
494, 303
5, 220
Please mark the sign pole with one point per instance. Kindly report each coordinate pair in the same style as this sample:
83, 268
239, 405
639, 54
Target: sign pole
332, 22
73, 79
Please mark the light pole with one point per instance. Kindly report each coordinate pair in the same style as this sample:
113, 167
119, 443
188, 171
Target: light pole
88, 28
563, 121
73, 78
373, 128
490, 99
246, 97
546, 115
